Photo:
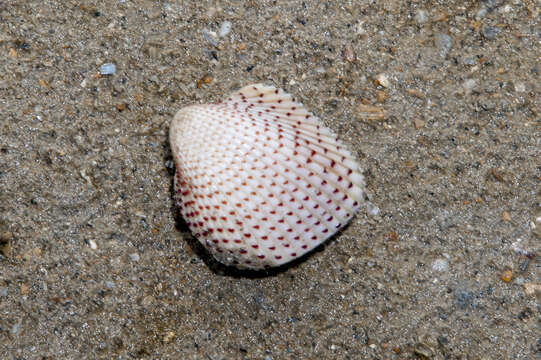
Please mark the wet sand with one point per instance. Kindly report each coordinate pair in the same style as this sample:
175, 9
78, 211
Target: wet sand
440, 103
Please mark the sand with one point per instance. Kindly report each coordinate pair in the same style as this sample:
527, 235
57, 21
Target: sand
440, 102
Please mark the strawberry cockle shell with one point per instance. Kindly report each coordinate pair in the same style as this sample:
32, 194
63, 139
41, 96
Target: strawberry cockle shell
259, 180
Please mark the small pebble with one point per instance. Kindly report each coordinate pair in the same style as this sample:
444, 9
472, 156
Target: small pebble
464, 298
444, 43
440, 265
210, 37
383, 80
421, 16
134, 257
225, 28
481, 13
359, 28
506, 276
381, 96
506, 9
5, 243
490, 32
370, 112
372, 209
207, 79
446, 220
469, 60
348, 54
147, 301
169, 337
211, 11
469, 85
108, 69
169, 164
423, 351
92, 244
532, 288
520, 87
417, 93
24, 289
418, 123
391, 236
15, 328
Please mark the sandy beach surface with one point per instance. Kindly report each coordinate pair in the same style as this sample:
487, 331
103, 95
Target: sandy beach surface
440, 101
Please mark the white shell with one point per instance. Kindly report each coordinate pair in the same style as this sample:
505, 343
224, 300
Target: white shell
259, 180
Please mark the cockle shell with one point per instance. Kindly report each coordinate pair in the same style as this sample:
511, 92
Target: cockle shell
259, 180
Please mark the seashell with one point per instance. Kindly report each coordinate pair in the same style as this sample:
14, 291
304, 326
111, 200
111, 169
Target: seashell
259, 180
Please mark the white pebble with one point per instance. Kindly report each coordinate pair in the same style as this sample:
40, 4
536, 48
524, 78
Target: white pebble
134, 257
210, 37
92, 244
469, 85
108, 69
383, 80
505, 9
359, 28
225, 28
440, 265
421, 16
372, 209
520, 87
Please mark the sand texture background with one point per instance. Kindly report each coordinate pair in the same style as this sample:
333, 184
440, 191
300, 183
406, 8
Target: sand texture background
439, 100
